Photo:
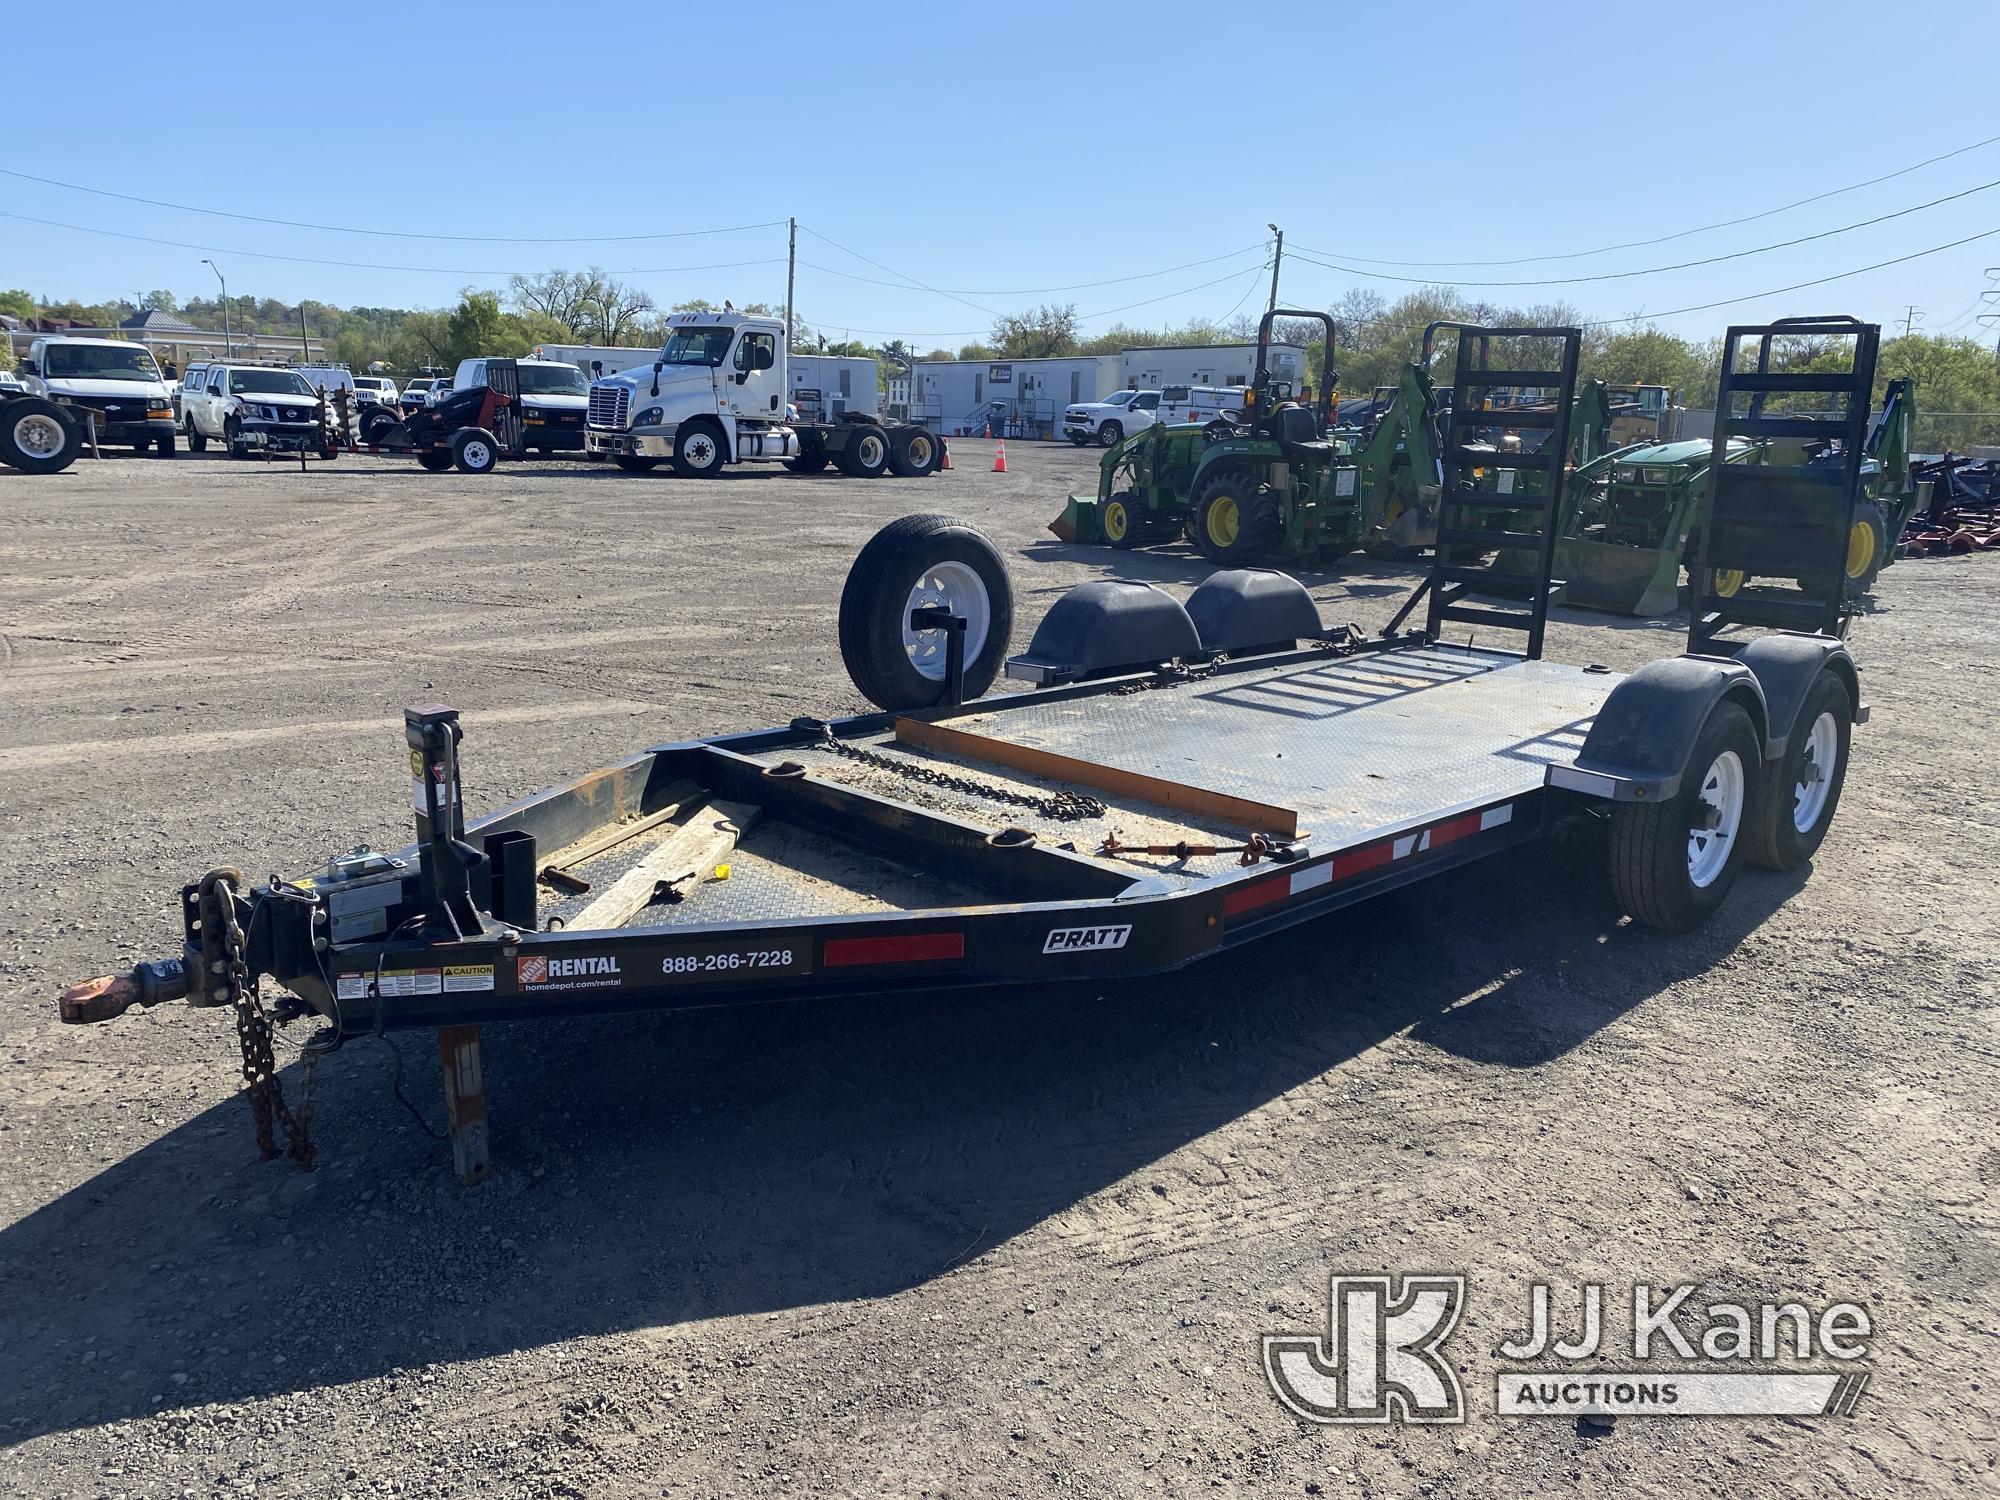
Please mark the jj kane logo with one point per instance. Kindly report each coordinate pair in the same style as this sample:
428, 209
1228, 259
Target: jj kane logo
589, 972
1380, 1359
1085, 939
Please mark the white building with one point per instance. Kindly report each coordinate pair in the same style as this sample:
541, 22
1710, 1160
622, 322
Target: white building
825, 385
1025, 397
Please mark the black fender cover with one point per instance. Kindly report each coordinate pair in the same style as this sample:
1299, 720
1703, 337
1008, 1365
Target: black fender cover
1643, 735
1786, 667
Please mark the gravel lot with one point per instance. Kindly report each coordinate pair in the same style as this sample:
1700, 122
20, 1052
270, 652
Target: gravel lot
1013, 1244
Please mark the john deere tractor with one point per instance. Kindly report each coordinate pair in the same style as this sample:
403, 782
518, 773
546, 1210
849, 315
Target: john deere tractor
1633, 518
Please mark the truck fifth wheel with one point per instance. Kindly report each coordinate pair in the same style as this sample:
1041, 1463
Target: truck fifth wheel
1181, 782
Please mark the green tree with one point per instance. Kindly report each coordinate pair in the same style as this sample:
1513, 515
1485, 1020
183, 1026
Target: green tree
17, 304
1040, 333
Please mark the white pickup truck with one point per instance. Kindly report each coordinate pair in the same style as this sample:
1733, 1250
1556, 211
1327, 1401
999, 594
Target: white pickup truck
715, 394
1111, 420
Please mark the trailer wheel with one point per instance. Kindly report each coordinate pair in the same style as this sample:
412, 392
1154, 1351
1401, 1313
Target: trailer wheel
866, 454
913, 453
475, 450
632, 463
434, 459
1236, 519
37, 436
1672, 862
916, 561
1801, 788
697, 451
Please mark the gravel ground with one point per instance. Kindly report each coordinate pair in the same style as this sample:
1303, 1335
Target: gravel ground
1010, 1244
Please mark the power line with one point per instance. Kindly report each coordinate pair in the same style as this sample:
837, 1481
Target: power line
393, 234
1684, 265
1797, 286
921, 285
361, 265
1037, 291
1680, 234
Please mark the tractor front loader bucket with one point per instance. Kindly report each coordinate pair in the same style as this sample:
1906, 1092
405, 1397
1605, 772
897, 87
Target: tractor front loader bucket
1080, 521
1643, 581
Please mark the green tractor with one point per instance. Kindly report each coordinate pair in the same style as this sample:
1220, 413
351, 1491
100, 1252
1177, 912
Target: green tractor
1633, 518
1279, 484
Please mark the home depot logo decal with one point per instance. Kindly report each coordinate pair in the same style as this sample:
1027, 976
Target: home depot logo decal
595, 971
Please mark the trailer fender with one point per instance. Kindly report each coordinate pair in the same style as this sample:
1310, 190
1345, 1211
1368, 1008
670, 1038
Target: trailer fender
1786, 667
1638, 746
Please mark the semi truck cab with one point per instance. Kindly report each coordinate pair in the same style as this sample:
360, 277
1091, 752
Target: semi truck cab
714, 394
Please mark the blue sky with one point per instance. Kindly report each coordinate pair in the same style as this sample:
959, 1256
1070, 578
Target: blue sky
992, 152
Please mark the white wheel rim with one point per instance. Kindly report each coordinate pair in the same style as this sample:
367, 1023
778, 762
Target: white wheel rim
478, 455
871, 451
1718, 812
38, 435
701, 452
1816, 764
920, 451
961, 590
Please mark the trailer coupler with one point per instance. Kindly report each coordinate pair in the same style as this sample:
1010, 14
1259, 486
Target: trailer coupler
145, 985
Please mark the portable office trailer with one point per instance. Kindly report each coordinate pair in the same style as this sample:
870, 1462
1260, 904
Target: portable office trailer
1021, 398
824, 386
1148, 369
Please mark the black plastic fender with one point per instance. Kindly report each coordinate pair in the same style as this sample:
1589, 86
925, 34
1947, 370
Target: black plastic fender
1786, 666
1098, 629
1639, 743
1243, 609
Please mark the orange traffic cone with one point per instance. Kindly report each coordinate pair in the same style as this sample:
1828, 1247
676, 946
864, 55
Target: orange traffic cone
986, 431
1000, 458
944, 459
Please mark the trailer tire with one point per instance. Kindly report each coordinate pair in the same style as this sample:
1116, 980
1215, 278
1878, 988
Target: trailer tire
436, 460
1110, 434
37, 436
633, 463
475, 450
1802, 786
1664, 873
913, 453
865, 454
911, 561
699, 451
1235, 518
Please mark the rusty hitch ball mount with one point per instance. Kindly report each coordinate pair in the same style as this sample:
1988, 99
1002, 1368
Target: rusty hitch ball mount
146, 985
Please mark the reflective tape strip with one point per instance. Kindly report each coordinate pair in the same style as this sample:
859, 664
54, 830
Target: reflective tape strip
921, 948
1360, 861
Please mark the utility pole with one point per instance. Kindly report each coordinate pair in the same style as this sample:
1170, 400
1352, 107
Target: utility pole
1277, 256
225, 306
1910, 319
791, 271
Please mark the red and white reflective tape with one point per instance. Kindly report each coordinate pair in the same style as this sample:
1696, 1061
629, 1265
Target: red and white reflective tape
1353, 862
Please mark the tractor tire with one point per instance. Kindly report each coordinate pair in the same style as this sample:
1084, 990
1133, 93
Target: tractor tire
1868, 545
698, 451
1110, 435
1672, 862
436, 460
37, 436
197, 443
913, 453
475, 450
1801, 788
1121, 521
632, 463
866, 453
1236, 519
927, 559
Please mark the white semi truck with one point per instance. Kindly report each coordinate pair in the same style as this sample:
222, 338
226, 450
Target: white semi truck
715, 394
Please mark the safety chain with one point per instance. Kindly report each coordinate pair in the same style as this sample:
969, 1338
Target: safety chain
229, 982
1062, 807
1172, 675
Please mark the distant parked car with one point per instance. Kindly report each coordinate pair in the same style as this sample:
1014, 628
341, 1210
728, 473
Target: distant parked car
417, 392
1117, 416
250, 407
375, 390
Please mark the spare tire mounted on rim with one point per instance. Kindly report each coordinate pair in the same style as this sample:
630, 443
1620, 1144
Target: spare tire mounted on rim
919, 561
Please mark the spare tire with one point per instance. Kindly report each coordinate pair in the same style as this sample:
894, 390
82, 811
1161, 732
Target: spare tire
38, 436
376, 424
915, 561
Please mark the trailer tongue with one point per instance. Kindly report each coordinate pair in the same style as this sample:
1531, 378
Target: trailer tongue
1184, 780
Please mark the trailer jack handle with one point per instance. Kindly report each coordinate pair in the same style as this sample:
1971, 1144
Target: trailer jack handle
937, 617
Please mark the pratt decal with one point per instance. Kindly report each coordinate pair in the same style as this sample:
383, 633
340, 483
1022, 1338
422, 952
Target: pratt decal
1085, 939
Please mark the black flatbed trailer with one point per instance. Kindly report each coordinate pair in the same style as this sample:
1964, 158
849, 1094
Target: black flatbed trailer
1171, 800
